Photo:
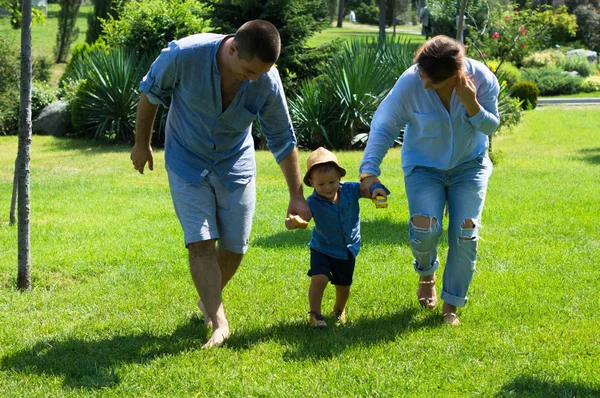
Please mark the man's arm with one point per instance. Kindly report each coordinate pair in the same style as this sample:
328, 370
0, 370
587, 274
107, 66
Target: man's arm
291, 171
144, 121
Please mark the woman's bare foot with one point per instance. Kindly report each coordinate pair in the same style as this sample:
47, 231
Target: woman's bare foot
449, 316
207, 321
426, 292
218, 337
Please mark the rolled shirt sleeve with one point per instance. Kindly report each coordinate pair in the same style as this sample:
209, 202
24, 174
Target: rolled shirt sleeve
159, 82
275, 121
487, 119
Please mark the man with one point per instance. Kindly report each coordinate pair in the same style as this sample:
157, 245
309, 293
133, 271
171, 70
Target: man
218, 85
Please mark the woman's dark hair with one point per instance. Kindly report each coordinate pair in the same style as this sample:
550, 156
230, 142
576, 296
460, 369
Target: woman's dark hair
440, 58
260, 39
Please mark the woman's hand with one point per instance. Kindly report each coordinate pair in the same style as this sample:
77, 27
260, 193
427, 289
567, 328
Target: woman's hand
365, 186
467, 94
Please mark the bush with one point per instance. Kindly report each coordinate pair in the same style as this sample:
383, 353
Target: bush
104, 105
41, 95
509, 108
542, 59
147, 27
508, 72
591, 84
578, 63
76, 68
553, 81
10, 67
42, 69
527, 92
296, 21
368, 14
337, 106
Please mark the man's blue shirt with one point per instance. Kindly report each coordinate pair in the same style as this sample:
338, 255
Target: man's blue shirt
337, 227
200, 137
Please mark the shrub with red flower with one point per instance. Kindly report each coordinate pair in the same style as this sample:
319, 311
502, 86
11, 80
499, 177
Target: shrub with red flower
511, 34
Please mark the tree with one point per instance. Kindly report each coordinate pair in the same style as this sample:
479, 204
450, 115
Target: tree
340, 14
296, 21
23, 159
382, 7
102, 9
67, 29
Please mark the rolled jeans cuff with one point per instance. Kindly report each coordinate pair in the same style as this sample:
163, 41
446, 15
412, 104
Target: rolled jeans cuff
453, 300
427, 271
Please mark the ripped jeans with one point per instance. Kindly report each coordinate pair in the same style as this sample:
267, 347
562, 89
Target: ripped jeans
463, 188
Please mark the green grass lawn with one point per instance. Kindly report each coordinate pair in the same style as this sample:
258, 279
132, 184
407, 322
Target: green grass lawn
594, 94
43, 37
351, 31
113, 310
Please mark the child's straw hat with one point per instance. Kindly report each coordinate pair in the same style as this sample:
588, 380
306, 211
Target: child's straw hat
321, 155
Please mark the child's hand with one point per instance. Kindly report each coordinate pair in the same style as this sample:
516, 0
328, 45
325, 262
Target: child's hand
294, 221
378, 192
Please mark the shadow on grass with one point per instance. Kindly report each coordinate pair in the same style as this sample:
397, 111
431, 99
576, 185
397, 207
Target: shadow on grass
85, 145
304, 343
94, 364
591, 155
527, 386
374, 232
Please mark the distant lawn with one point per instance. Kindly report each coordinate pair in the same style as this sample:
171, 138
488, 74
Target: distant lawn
43, 37
350, 31
113, 310
594, 94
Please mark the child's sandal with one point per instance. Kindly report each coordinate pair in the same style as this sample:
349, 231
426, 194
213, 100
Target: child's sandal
316, 320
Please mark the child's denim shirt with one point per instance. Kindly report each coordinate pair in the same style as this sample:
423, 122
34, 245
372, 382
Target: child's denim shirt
337, 227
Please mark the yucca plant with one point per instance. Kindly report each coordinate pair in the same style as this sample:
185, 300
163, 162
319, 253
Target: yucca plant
337, 106
105, 102
313, 112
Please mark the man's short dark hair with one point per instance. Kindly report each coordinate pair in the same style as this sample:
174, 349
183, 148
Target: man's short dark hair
260, 39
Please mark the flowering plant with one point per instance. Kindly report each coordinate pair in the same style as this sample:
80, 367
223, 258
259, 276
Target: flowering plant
510, 34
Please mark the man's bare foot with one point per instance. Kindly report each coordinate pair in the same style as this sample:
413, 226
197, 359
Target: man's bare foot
218, 337
207, 321
426, 292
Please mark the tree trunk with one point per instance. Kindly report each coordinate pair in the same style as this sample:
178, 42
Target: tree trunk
382, 21
340, 14
459, 25
13, 201
24, 274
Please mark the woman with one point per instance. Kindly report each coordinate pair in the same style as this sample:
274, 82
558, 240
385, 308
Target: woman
449, 105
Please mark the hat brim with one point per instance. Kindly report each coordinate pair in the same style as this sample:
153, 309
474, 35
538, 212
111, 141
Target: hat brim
307, 175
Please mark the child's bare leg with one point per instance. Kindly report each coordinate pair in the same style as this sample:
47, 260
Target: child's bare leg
318, 283
341, 297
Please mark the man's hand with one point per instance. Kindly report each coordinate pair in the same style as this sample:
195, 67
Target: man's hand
140, 155
297, 206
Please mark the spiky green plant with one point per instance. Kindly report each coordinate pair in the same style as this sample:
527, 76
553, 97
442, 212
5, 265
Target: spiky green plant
105, 102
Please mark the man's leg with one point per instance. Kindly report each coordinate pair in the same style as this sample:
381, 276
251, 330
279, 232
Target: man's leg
206, 275
229, 262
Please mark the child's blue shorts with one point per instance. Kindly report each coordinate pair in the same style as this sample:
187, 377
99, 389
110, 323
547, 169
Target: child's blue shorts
337, 270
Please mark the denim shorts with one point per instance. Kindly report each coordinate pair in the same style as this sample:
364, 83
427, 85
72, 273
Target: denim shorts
211, 211
338, 271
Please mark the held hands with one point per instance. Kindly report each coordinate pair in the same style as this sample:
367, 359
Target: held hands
140, 155
298, 214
